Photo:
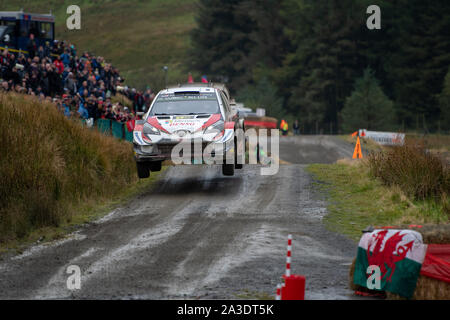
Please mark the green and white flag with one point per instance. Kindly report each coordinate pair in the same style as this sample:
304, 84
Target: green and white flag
398, 254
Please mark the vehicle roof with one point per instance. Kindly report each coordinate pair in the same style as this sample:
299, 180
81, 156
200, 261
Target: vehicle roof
196, 85
201, 89
44, 17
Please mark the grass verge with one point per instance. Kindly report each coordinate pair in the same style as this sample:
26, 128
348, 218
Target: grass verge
356, 200
86, 213
55, 172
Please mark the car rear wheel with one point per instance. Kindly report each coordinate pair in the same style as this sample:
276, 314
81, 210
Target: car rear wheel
237, 165
258, 159
155, 166
228, 169
143, 170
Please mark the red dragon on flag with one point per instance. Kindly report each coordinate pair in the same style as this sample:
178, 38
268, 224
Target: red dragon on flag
397, 254
390, 255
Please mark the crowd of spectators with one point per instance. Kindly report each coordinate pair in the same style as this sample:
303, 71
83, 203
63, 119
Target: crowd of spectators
80, 86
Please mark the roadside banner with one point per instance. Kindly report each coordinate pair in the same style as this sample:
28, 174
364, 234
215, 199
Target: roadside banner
384, 138
260, 112
129, 136
117, 129
104, 125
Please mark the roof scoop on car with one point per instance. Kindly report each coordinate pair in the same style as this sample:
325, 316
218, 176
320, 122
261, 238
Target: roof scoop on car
182, 93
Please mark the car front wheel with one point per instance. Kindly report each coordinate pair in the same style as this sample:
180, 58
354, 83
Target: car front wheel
228, 169
155, 166
143, 170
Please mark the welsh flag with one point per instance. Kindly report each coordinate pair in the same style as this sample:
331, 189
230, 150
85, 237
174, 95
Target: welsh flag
398, 253
130, 125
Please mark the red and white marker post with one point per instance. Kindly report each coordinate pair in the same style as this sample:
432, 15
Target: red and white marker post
288, 256
294, 285
278, 296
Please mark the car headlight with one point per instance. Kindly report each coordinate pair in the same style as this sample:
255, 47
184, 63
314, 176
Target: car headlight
218, 127
149, 129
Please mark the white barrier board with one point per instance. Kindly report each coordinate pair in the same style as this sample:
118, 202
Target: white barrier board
260, 112
384, 138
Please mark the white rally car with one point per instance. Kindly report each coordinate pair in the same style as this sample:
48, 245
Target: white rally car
191, 113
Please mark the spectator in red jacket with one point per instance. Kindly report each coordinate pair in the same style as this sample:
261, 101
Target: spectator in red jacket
59, 65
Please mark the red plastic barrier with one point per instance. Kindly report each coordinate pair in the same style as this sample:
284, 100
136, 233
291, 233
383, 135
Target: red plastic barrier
294, 288
265, 124
437, 262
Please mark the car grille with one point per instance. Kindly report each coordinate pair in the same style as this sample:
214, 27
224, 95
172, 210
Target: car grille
166, 149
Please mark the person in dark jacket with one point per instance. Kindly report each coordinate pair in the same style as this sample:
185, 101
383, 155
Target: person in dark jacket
296, 127
32, 46
92, 108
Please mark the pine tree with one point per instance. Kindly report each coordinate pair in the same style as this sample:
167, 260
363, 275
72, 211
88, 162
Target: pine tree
319, 74
269, 42
368, 107
262, 95
417, 56
221, 42
444, 103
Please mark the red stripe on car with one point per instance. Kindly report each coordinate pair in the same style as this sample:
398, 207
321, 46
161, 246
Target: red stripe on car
154, 122
220, 135
213, 119
229, 125
145, 138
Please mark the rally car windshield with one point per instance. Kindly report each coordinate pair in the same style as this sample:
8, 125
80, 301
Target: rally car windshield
185, 103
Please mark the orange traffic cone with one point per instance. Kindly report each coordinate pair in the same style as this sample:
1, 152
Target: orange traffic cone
357, 154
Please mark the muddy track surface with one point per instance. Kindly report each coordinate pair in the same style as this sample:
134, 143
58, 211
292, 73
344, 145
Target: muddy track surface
200, 235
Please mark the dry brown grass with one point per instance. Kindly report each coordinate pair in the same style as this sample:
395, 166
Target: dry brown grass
50, 163
420, 174
426, 289
431, 141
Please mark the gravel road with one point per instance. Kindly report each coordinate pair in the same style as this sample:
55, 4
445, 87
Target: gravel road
200, 235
